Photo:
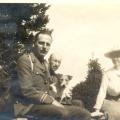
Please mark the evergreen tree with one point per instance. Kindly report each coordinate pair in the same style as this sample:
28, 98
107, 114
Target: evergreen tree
87, 91
28, 25
24, 19
18, 23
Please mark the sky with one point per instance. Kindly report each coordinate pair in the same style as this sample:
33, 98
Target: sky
82, 31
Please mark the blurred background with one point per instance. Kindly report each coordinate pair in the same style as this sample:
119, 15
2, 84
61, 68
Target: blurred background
84, 30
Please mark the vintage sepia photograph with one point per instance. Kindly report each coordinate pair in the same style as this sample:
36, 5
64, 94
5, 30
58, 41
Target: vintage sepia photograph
60, 60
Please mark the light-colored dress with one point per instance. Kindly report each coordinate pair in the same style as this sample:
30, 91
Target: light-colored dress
110, 85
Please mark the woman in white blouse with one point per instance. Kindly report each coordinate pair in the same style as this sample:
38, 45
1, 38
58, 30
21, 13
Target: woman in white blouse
110, 86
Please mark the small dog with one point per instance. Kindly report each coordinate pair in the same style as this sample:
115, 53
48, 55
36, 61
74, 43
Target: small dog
59, 86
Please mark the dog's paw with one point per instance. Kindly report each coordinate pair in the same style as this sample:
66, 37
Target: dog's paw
53, 87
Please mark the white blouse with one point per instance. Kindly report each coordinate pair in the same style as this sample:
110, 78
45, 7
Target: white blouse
110, 84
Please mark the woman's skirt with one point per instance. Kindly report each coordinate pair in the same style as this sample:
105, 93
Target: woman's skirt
112, 108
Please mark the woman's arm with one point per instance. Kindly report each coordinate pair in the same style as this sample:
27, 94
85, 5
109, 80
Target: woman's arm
102, 92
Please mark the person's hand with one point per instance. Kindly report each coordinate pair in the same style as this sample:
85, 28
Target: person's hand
97, 113
56, 103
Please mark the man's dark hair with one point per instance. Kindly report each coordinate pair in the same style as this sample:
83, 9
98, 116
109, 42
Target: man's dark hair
44, 31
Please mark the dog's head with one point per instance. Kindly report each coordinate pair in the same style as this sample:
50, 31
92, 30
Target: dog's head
64, 79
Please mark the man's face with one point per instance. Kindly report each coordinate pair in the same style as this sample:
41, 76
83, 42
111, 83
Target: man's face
55, 62
43, 44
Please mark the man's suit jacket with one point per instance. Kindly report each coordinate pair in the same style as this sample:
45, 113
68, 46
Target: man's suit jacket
34, 83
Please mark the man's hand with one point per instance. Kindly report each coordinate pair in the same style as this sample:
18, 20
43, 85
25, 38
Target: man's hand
56, 103
97, 113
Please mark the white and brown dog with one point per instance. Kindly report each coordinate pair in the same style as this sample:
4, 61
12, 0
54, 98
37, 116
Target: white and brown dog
59, 86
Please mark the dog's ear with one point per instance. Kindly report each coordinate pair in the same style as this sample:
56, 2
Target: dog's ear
69, 77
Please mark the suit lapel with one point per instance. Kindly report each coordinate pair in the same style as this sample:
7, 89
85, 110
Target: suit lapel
37, 64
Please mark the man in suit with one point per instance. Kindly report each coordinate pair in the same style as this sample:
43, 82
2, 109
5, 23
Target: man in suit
34, 81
